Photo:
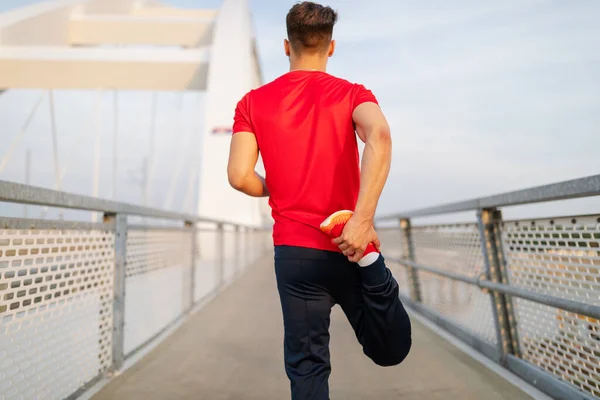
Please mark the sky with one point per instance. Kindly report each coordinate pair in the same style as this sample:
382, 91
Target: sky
482, 97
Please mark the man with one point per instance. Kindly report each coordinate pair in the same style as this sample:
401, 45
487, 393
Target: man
305, 124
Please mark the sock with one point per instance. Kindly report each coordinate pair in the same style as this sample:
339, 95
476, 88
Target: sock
368, 259
334, 225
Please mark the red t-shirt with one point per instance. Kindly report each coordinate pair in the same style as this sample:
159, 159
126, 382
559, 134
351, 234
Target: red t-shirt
303, 125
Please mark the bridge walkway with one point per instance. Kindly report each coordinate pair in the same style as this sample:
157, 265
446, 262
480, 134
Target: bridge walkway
232, 349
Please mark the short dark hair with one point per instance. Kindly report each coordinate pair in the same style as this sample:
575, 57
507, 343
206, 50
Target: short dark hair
310, 26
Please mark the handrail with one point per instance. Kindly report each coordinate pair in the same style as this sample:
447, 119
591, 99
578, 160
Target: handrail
116, 254
571, 189
508, 255
25, 194
588, 310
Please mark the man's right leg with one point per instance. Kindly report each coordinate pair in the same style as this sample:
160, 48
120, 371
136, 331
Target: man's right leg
369, 298
306, 310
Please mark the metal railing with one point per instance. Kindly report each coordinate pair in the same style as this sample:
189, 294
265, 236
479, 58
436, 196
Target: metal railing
525, 293
77, 299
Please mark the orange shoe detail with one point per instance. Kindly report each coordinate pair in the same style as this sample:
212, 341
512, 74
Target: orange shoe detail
334, 226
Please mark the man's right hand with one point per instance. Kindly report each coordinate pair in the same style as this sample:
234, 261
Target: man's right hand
356, 236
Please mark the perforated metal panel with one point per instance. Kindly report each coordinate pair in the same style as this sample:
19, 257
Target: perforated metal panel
455, 248
229, 248
149, 250
251, 243
559, 257
450, 247
399, 272
391, 248
462, 303
207, 274
55, 310
157, 265
391, 242
241, 250
565, 344
256, 245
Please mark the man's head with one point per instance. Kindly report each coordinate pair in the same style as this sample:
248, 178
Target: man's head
310, 28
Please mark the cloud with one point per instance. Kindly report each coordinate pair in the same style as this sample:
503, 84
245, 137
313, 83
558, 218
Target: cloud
482, 97
367, 22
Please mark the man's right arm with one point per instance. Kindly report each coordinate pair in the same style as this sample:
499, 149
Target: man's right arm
373, 129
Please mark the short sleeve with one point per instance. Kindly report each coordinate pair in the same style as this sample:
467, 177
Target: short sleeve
241, 120
362, 95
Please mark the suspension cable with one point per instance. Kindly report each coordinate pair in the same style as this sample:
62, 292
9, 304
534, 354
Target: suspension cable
21, 133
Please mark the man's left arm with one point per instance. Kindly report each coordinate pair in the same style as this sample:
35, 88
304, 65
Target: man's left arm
243, 155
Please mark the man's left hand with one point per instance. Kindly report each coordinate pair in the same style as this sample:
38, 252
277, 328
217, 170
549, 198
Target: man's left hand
356, 236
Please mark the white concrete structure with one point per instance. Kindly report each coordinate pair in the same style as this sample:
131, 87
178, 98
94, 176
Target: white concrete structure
234, 71
145, 45
56, 44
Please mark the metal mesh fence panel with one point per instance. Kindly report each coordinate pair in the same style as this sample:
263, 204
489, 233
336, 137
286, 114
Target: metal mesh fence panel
565, 344
558, 257
460, 302
242, 259
240, 249
251, 244
399, 272
455, 248
207, 276
257, 242
229, 247
157, 265
55, 309
391, 242
391, 248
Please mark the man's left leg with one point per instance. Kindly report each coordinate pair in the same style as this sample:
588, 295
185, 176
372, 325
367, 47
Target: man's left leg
306, 310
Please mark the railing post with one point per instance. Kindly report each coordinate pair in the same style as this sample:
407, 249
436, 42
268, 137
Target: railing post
247, 236
237, 249
408, 252
259, 235
221, 253
191, 287
503, 278
491, 243
118, 336
252, 247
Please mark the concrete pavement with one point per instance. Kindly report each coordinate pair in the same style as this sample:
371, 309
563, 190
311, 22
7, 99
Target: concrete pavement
232, 349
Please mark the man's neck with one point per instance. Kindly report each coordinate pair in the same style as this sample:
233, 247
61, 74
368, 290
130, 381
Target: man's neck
309, 64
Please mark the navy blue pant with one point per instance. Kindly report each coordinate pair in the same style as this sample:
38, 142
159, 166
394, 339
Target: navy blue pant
310, 283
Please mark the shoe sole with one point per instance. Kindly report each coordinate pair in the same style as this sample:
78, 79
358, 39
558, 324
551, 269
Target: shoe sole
340, 217
336, 218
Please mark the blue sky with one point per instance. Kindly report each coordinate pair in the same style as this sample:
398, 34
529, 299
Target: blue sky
482, 96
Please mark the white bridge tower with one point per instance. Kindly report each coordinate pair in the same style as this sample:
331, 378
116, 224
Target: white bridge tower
145, 45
